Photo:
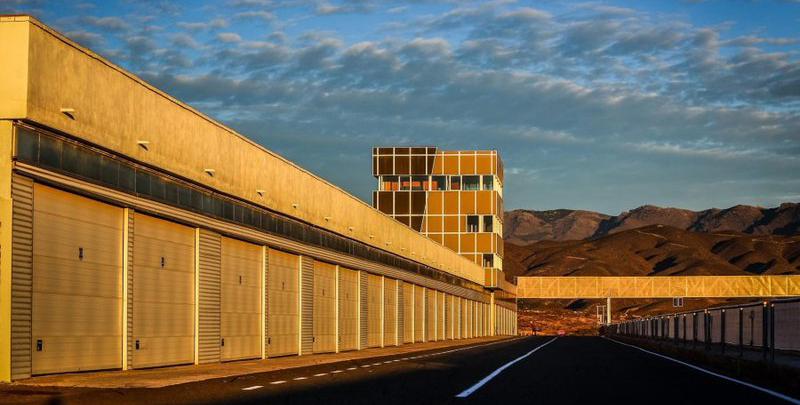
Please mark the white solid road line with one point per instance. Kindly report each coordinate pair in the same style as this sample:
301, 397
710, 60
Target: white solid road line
494, 374
724, 377
255, 387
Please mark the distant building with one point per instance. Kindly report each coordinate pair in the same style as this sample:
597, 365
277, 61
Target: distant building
453, 197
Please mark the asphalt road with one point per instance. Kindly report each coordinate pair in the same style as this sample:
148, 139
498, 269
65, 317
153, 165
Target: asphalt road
569, 370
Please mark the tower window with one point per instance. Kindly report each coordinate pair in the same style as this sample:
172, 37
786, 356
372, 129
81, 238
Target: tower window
455, 182
488, 223
488, 182
472, 182
472, 223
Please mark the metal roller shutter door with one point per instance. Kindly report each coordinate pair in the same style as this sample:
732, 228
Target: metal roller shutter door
284, 304
408, 313
374, 304
440, 315
419, 313
450, 312
240, 327
77, 283
431, 317
324, 307
470, 319
348, 309
389, 312
163, 293
457, 318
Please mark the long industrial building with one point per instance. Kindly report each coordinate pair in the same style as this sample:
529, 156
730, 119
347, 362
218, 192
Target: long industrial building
136, 232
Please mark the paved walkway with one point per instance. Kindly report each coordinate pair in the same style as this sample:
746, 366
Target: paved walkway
167, 376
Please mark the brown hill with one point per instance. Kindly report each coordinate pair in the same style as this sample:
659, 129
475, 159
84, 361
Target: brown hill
657, 250
524, 227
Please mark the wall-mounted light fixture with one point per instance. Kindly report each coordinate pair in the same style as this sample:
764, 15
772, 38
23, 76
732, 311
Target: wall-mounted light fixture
144, 144
261, 192
327, 218
69, 112
210, 172
294, 205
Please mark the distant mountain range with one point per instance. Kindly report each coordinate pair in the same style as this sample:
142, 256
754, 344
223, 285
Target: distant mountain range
657, 250
522, 227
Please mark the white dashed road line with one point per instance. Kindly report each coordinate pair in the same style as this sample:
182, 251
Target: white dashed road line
278, 382
299, 378
255, 387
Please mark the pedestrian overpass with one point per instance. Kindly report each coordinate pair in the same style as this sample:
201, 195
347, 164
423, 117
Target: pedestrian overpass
657, 287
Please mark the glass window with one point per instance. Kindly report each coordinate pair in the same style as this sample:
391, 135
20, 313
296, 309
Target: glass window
184, 196
439, 183
488, 182
71, 158
197, 199
171, 192
142, 182
109, 171
90, 165
27, 144
50, 151
417, 182
455, 182
127, 178
405, 183
472, 223
488, 260
390, 183
157, 187
487, 223
472, 183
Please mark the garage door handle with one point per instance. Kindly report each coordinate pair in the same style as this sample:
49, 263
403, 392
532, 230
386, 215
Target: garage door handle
39, 345
269, 341
223, 342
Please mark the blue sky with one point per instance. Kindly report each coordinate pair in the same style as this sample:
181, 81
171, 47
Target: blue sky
602, 106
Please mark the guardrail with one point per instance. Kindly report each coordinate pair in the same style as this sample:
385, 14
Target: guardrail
765, 325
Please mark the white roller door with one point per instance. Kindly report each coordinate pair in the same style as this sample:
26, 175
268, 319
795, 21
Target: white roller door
163, 292
77, 283
240, 314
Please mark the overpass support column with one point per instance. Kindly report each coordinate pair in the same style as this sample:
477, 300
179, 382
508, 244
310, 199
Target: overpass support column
608, 311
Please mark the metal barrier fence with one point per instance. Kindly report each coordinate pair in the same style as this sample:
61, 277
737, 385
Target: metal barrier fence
766, 325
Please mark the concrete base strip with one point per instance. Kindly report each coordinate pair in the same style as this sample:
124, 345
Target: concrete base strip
494, 374
724, 377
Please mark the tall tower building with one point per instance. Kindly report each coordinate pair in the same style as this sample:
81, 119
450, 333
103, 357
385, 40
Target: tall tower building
453, 197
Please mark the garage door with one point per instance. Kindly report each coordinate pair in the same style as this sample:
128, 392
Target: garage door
283, 293
457, 318
348, 309
440, 313
389, 312
408, 313
324, 307
431, 317
240, 313
450, 312
77, 283
163, 292
374, 307
419, 313
468, 331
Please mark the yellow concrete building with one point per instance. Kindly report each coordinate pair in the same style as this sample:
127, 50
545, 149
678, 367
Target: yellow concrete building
137, 232
452, 197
